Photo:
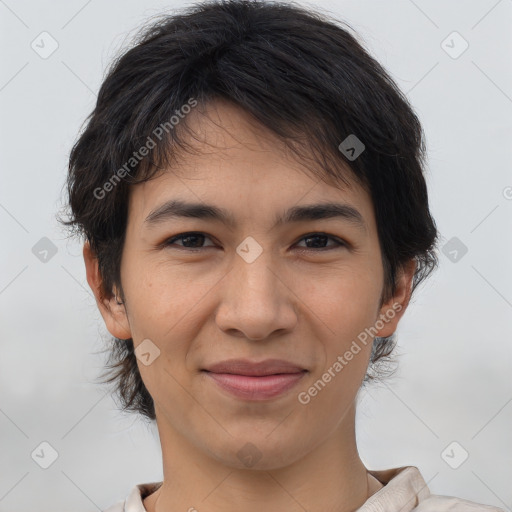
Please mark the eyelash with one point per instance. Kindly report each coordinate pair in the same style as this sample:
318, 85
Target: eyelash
340, 243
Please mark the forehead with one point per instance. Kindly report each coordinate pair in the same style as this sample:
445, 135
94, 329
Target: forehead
241, 166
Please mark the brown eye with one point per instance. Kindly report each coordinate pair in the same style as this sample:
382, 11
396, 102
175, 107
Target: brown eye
320, 240
190, 240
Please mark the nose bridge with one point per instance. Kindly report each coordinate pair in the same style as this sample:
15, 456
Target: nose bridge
253, 278
252, 300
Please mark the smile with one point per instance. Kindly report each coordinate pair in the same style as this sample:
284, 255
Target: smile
256, 387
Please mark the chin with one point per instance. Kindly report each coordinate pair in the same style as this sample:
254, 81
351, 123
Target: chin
258, 452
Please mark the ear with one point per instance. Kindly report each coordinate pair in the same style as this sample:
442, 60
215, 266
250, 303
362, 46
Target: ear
114, 314
392, 310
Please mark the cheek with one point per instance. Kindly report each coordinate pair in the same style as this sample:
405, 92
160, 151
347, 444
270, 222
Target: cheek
346, 301
347, 305
348, 310
162, 299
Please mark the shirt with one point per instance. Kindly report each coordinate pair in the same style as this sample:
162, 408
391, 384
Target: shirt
404, 490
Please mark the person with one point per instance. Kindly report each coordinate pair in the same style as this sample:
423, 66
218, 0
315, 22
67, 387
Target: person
250, 189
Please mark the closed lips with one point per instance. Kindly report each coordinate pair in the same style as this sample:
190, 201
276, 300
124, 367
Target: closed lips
255, 381
255, 369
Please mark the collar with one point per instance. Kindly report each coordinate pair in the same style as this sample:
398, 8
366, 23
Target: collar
404, 488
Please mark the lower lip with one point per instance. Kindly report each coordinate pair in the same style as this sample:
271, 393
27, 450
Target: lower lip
256, 388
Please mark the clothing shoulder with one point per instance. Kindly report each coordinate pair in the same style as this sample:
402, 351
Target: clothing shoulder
436, 503
404, 489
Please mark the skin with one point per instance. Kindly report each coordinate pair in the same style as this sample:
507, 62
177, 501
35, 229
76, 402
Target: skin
294, 302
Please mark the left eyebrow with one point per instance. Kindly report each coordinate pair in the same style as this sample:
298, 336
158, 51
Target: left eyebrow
177, 208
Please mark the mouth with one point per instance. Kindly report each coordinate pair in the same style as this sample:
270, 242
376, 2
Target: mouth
255, 380
255, 368
256, 388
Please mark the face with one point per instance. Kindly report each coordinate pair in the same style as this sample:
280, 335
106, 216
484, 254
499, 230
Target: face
204, 289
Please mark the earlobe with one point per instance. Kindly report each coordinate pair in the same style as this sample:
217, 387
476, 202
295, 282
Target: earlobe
111, 307
392, 310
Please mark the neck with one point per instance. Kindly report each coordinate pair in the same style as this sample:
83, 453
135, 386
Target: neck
330, 478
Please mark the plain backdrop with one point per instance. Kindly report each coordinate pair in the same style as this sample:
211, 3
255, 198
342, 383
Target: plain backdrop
454, 382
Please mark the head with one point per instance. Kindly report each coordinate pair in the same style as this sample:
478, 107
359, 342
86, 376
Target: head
241, 108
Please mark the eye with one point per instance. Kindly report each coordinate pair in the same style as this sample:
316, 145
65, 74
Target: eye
194, 241
318, 241
191, 240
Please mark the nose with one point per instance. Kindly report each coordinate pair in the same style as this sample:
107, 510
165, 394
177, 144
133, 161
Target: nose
255, 300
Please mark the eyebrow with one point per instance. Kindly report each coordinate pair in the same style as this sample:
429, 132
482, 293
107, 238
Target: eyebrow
180, 209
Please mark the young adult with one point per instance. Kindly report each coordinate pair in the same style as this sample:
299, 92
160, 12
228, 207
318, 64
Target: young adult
251, 191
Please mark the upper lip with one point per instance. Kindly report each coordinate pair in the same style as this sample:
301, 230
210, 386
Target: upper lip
253, 368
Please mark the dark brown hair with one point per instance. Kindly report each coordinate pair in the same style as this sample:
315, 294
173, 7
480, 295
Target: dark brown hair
302, 76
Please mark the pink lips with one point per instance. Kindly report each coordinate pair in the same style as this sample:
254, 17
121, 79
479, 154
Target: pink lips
255, 381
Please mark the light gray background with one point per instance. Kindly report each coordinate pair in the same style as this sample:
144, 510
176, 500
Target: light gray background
454, 382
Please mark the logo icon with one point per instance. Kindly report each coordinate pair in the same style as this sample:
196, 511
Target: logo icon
44, 250
249, 249
249, 455
454, 45
147, 352
44, 455
454, 455
454, 249
351, 147
44, 45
